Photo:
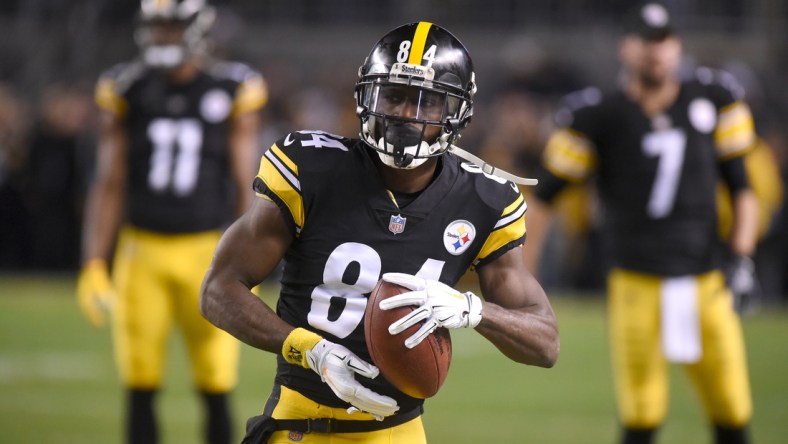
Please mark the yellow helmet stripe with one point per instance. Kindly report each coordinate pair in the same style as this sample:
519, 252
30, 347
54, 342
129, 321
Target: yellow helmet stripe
419, 40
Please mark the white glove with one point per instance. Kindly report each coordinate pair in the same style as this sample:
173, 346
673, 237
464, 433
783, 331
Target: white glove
336, 366
744, 285
438, 306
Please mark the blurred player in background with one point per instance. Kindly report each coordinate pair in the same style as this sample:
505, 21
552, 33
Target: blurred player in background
176, 155
397, 203
657, 149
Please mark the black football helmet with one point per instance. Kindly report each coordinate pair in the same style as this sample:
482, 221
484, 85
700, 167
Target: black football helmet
414, 94
191, 19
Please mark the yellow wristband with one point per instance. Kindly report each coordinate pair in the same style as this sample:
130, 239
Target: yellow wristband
297, 343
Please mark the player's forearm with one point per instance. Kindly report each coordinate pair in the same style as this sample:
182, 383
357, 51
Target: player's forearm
105, 202
537, 221
526, 336
744, 235
233, 307
243, 158
103, 215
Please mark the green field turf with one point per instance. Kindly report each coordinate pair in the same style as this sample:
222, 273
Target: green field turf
58, 383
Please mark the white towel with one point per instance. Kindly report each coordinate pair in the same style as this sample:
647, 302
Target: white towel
681, 340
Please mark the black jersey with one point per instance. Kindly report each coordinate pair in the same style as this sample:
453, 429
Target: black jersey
656, 176
349, 231
178, 141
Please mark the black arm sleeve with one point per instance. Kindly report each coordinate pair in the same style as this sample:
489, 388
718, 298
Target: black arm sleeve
734, 174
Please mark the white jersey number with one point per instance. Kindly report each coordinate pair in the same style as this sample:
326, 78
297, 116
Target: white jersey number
360, 264
669, 146
175, 161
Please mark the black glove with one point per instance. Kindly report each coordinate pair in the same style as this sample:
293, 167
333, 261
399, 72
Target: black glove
742, 281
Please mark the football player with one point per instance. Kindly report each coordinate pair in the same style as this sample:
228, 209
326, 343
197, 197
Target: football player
177, 142
398, 204
656, 149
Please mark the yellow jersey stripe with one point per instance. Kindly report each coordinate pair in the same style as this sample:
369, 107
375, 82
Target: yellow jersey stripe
513, 206
419, 41
250, 95
500, 237
279, 181
107, 98
735, 132
508, 217
281, 156
569, 155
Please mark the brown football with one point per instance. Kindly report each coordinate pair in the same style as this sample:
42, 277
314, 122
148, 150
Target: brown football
418, 372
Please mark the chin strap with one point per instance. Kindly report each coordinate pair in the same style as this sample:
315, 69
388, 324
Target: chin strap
489, 169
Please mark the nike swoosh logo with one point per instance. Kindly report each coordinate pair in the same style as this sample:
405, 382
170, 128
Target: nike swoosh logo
289, 139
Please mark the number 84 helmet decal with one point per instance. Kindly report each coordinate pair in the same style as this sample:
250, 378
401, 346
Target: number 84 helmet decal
414, 94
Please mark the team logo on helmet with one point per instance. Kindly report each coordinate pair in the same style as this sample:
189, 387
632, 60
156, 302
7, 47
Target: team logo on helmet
407, 69
397, 224
458, 236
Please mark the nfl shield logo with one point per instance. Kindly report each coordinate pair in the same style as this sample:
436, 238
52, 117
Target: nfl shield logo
397, 224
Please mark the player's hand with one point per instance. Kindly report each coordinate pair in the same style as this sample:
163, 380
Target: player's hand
438, 306
94, 291
741, 279
337, 367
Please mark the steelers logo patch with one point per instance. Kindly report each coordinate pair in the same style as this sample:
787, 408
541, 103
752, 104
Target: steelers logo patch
458, 236
215, 105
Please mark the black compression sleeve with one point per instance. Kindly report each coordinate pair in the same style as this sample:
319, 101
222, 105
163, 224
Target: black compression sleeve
734, 174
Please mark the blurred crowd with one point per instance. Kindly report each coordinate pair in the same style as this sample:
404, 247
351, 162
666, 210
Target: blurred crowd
47, 144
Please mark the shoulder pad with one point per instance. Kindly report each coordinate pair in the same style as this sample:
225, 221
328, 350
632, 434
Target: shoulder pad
294, 160
504, 200
717, 78
113, 85
314, 149
574, 101
493, 191
251, 93
124, 75
235, 71
315, 139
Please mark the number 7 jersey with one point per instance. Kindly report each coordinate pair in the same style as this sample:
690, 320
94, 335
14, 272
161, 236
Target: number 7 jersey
348, 231
656, 175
